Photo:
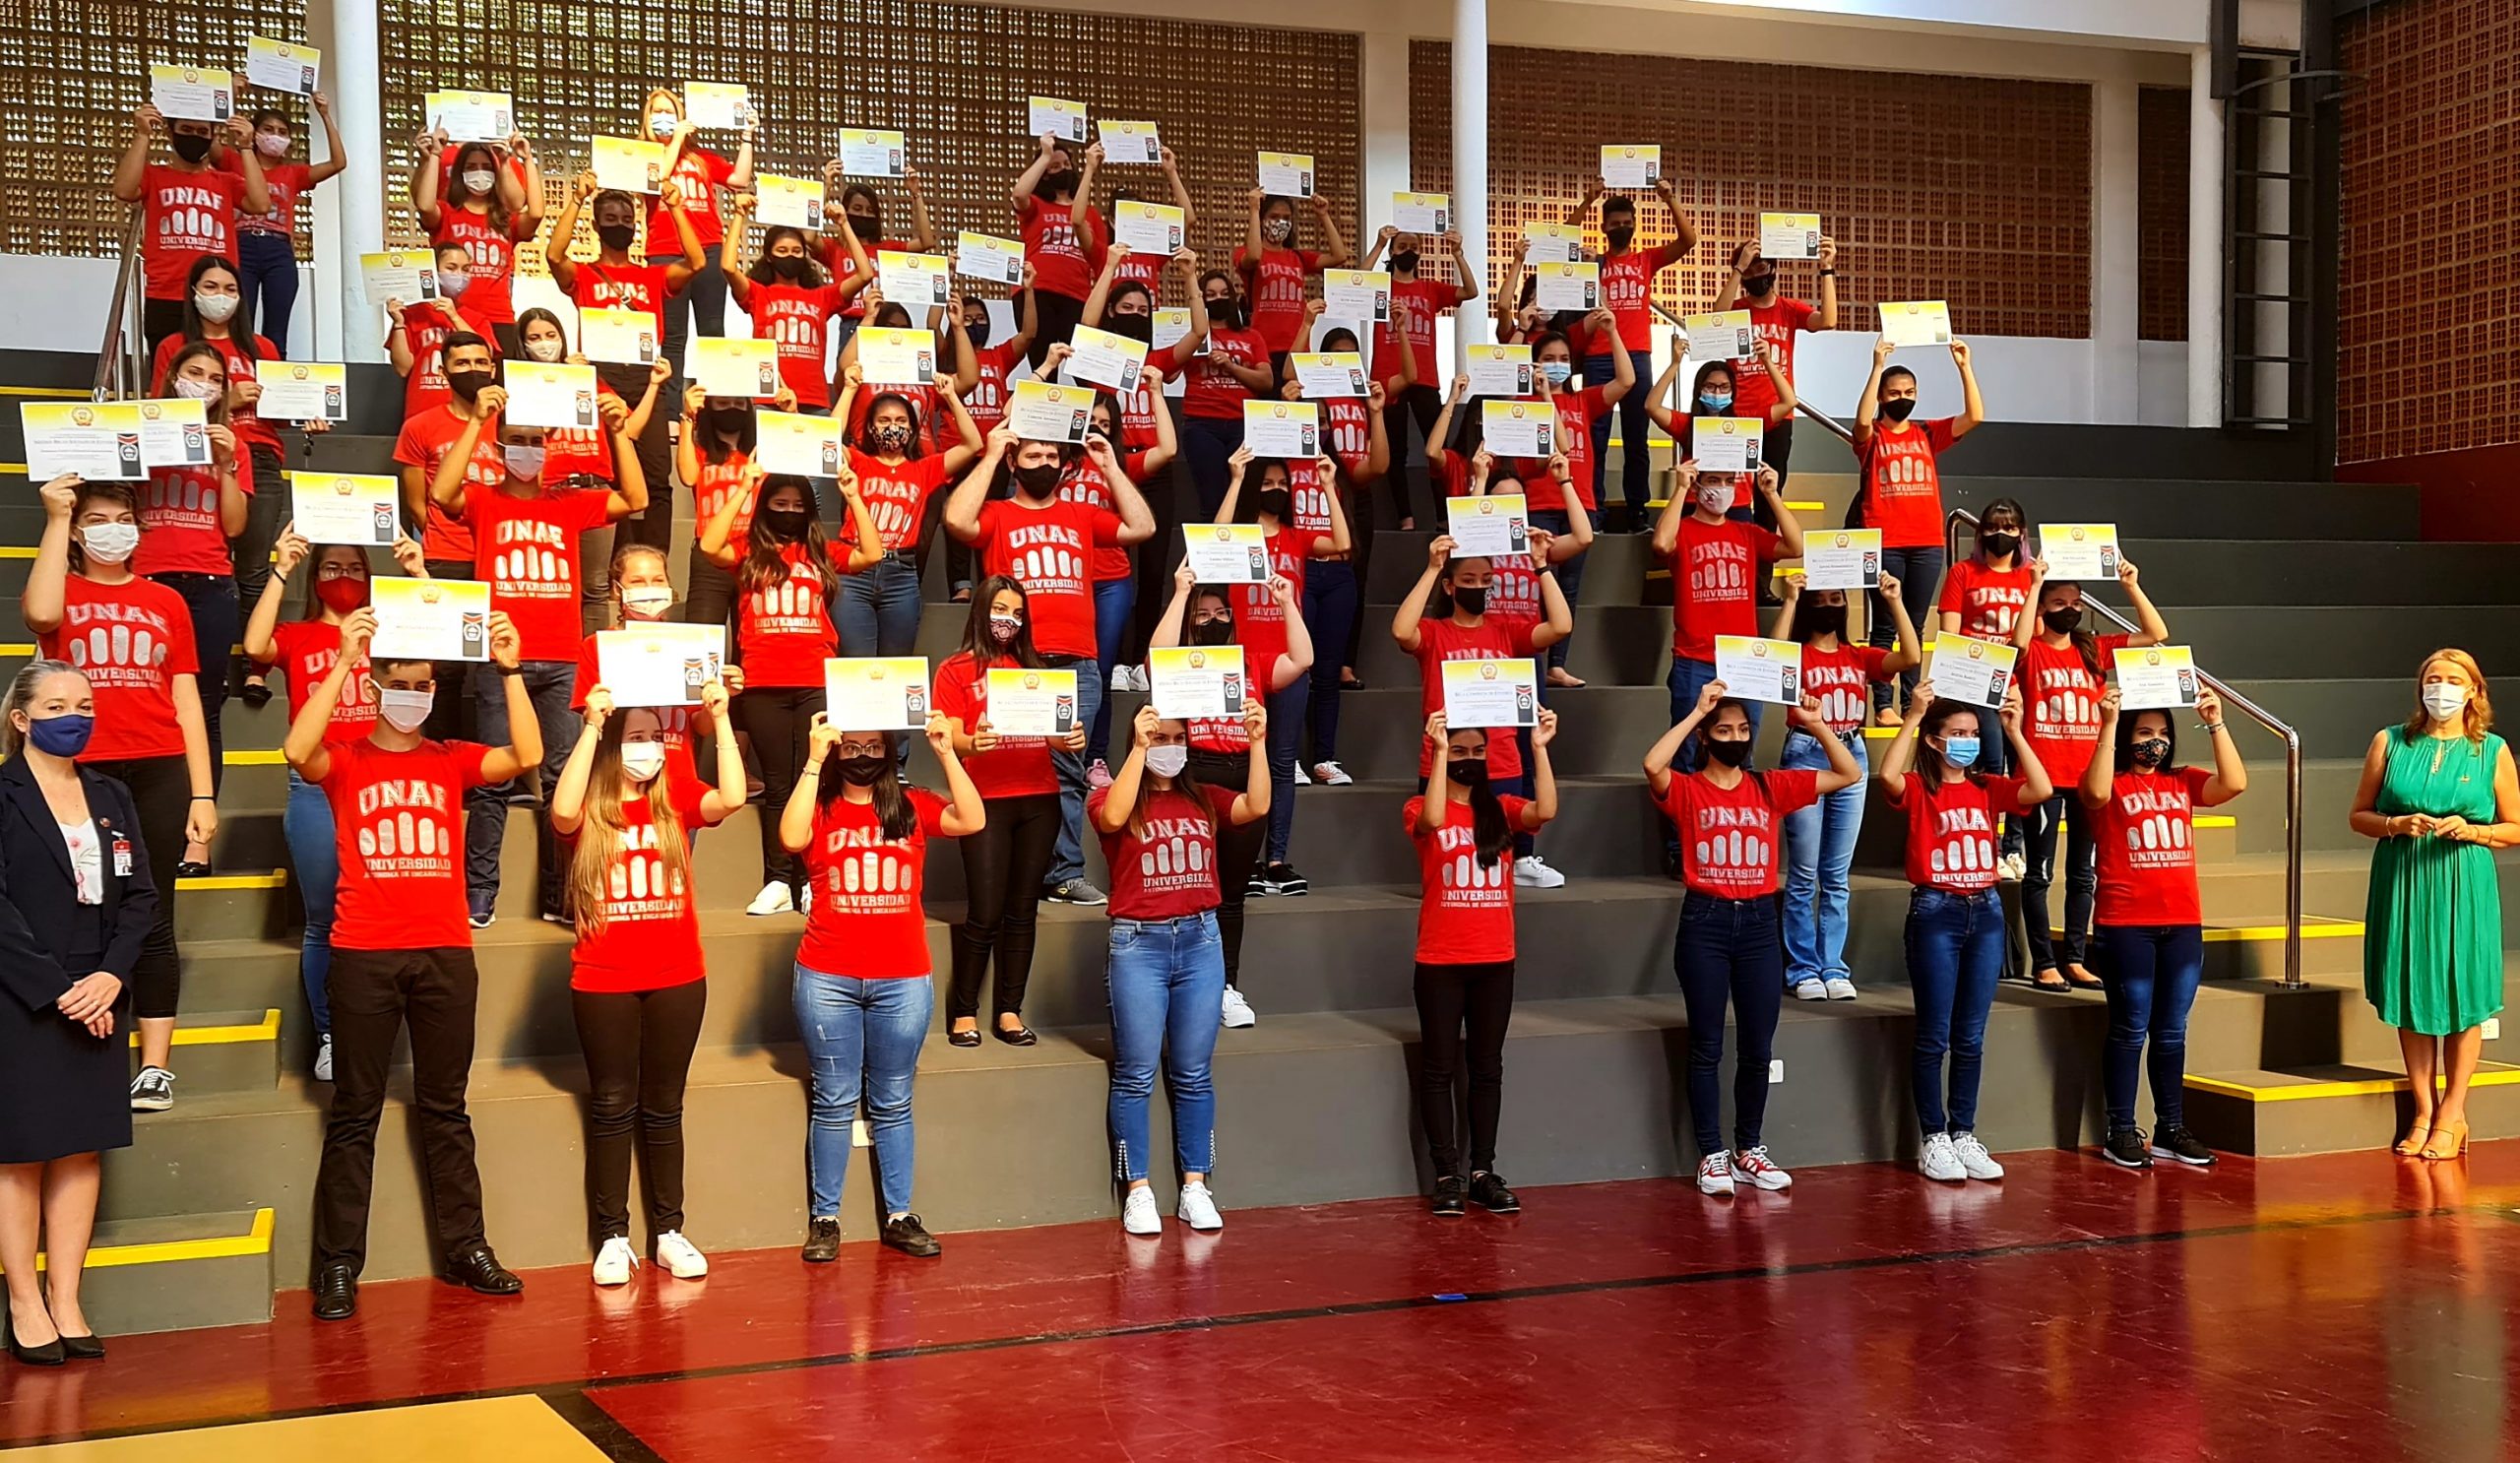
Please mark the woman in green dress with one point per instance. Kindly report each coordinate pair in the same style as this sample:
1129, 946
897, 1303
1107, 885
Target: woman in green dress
2440, 794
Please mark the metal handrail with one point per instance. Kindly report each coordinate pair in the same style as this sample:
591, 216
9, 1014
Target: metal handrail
1960, 518
1837, 428
118, 355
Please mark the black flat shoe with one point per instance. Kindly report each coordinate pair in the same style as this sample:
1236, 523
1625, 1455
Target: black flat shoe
822, 1240
189, 869
969, 1037
255, 693
479, 1271
50, 1353
1020, 1035
336, 1293
84, 1348
910, 1238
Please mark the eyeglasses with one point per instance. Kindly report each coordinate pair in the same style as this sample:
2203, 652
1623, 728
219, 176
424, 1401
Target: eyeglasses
860, 748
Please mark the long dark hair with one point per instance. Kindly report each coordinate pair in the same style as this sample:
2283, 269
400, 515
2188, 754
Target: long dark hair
894, 814
1440, 604
1706, 758
810, 277
1072, 454
2020, 525
979, 644
1187, 784
497, 212
1929, 763
763, 563
713, 448
240, 326
1246, 507
2126, 738
2085, 643
215, 409
918, 447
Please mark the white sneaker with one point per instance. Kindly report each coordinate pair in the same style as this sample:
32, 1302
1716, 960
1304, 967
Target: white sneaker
1532, 873
1811, 990
615, 1262
1139, 1216
1237, 1011
1715, 1174
681, 1258
1840, 989
1138, 680
324, 1060
774, 898
2010, 868
805, 900
1198, 1209
1940, 1161
1330, 775
1119, 677
1752, 1166
1974, 1159
1303, 779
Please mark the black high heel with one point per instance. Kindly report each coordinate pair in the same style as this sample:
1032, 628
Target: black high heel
50, 1353
83, 1348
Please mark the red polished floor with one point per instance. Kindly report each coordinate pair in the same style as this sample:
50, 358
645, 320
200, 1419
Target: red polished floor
2354, 1307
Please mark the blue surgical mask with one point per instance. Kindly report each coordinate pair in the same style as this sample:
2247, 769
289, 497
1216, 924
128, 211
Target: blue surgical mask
1556, 371
64, 736
1960, 751
1715, 401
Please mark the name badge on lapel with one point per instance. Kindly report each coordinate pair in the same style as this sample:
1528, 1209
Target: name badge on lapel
122, 855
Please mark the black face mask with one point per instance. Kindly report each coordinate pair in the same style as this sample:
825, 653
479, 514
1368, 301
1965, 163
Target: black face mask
978, 330
868, 227
2061, 621
1211, 632
1470, 600
1760, 284
1277, 502
729, 419
784, 523
864, 772
1225, 312
467, 384
1056, 183
1730, 753
1138, 328
1823, 619
189, 145
2150, 754
1899, 409
1405, 263
1467, 771
1037, 482
616, 236
787, 266
1618, 237
1998, 545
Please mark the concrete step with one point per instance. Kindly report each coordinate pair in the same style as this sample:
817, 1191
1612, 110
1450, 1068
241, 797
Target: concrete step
230, 1051
2332, 1108
180, 1272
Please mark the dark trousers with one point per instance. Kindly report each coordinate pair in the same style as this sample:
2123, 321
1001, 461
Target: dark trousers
268, 274
1056, 317
265, 511
1238, 847
158, 319
2054, 949
1776, 450
706, 298
1003, 866
1920, 574
2152, 974
211, 599
1208, 443
1421, 403
1451, 997
779, 721
1155, 558
1330, 613
711, 591
161, 793
1636, 434
655, 526
1570, 575
1286, 738
1729, 949
1955, 957
638, 1045
373, 994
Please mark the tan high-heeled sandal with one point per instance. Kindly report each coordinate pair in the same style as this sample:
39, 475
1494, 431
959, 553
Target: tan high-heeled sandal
2412, 1145
2457, 1136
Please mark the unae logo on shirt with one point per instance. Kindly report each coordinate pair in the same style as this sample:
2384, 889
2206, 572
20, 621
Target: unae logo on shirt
404, 829
117, 645
1175, 853
1467, 882
639, 880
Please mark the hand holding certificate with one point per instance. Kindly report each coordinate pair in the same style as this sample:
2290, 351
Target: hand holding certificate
1337, 373
1789, 237
1720, 335
1842, 559
1760, 669
471, 117
96, 440
1156, 229
629, 164
654, 663
1287, 174
1575, 287
788, 203
740, 368
915, 282
890, 356
1358, 294
801, 443
1492, 693
430, 619
1490, 526
1129, 142
987, 258
1727, 444
871, 153
345, 508
1519, 428
1971, 670
2080, 550
1281, 428
875, 693
1042, 412
1422, 212
407, 275
719, 106
1226, 552
174, 432
1197, 682
192, 93
281, 65
2158, 678
1923, 322
1553, 243
1032, 703
550, 395
1052, 118
618, 337
1626, 166
1500, 370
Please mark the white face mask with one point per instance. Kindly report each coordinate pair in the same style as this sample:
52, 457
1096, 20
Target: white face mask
546, 350
1167, 760
272, 144
197, 391
215, 308
646, 601
405, 710
524, 460
662, 123
2444, 700
1715, 497
479, 181
641, 760
110, 543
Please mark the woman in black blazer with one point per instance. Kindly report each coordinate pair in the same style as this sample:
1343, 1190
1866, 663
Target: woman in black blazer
76, 902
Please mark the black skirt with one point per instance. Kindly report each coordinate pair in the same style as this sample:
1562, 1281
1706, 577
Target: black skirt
62, 1090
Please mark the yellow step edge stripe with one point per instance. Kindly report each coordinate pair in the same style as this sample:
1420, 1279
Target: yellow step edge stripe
56, 393
14, 649
276, 878
2363, 1087
252, 758
2312, 929
2217, 820
16, 552
265, 1029
1658, 504
254, 1242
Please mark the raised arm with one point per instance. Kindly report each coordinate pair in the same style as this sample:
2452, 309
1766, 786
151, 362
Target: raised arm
564, 229
1789, 529
965, 812
45, 600
335, 157
1030, 177
1891, 777
304, 744
287, 553
2152, 629
1973, 407
1868, 406
131, 169
922, 230
446, 489
569, 798
629, 492
679, 273
1413, 606
2230, 774
796, 820
963, 505
1659, 756
1337, 255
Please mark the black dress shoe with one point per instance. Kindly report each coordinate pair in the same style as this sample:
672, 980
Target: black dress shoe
1020, 1035
910, 1236
822, 1240
84, 1348
50, 1353
969, 1037
336, 1293
479, 1271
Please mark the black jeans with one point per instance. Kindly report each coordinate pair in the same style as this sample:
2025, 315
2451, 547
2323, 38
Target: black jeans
1776, 450
2054, 950
1056, 317
706, 298
251, 550
373, 993
655, 526
1003, 866
158, 319
1238, 847
1729, 947
1920, 574
711, 591
778, 720
210, 601
638, 1045
161, 793
1450, 997
1421, 402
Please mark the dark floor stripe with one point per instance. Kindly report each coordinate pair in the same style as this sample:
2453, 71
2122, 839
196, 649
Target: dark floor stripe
608, 1434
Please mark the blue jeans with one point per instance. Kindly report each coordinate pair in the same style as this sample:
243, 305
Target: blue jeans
486, 808
1330, 613
1285, 733
267, 276
1570, 575
1726, 951
2054, 949
1113, 598
1209, 441
307, 825
705, 297
863, 1038
1167, 982
878, 610
1955, 957
1067, 860
1919, 575
1820, 852
1636, 455
1687, 681
2152, 973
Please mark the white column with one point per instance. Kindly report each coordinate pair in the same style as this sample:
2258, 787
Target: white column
2204, 243
2115, 269
1470, 152
348, 31
1382, 80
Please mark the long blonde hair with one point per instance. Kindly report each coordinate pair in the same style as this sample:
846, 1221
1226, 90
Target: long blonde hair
2478, 714
601, 834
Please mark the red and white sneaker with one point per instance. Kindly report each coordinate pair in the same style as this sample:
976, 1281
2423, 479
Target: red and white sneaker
1099, 776
1753, 1167
1715, 1174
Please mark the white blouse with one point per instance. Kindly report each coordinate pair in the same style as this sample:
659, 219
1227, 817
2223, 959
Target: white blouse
86, 860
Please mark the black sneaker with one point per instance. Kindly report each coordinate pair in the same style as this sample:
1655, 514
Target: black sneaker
1671, 863
1282, 879
2127, 1148
1489, 1192
1257, 886
2178, 1145
822, 1241
910, 1236
1446, 1202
